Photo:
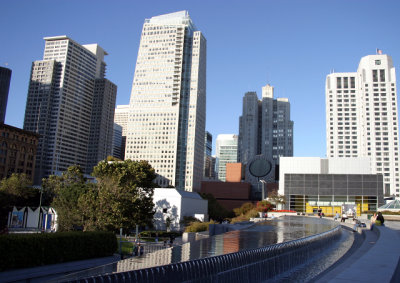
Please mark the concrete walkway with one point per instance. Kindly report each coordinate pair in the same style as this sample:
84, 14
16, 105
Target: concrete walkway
376, 260
48, 272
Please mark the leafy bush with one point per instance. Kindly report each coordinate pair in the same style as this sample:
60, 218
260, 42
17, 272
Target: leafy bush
187, 220
27, 250
240, 218
264, 206
246, 207
198, 226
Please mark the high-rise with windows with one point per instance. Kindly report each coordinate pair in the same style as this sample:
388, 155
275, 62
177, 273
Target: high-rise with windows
117, 142
71, 105
168, 102
226, 149
209, 170
121, 118
265, 127
5, 78
361, 117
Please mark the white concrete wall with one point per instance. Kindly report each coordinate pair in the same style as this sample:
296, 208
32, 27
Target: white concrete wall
342, 165
313, 165
191, 207
177, 204
166, 199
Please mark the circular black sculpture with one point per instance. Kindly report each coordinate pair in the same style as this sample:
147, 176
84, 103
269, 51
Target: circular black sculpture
260, 167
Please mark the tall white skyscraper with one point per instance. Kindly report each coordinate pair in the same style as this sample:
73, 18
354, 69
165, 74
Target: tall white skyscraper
226, 147
71, 105
168, 102
361, 117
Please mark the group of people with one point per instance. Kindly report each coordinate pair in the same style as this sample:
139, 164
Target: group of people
342, 219
376, 219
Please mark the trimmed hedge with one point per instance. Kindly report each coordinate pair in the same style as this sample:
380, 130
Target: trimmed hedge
161, 234
28, 250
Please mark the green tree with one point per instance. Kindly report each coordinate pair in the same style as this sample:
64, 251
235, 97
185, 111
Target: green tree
276, 198
89, 209
16, 190
112, 158
19, 191
216, 211
125, 194
67, 189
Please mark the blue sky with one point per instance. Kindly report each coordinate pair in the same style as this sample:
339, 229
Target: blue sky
291, 45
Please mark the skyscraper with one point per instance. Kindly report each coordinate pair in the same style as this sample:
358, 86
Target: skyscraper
5, 78
226, 149
361, 117
209, 170
68, 101
117, 142
168, 102
121, 117
265, 127
102, 122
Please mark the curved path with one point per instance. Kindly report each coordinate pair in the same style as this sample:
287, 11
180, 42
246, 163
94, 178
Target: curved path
376, 260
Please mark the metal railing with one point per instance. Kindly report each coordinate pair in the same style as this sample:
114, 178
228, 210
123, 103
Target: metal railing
254, 265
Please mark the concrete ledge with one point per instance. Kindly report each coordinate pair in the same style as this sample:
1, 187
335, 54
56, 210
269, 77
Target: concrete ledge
378, 264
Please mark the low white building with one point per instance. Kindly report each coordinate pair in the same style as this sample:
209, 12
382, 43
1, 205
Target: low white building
318, 165
175, 204
310, 184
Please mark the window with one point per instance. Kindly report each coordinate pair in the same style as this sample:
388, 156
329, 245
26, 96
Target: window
339, 82
345, 82
382, 75
352, 82
375, 75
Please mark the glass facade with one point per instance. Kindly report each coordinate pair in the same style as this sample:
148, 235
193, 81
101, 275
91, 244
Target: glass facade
331, 192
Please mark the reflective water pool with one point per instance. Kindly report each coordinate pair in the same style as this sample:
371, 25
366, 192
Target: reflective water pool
258, 235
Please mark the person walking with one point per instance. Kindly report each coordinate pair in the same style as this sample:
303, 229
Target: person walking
336, 216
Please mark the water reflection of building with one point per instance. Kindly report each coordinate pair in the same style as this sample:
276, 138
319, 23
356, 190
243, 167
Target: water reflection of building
161, 257
231, 242
310, 183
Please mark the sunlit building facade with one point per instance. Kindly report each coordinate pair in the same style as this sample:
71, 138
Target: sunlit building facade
362, 119
226, 152
68, 99
168, 102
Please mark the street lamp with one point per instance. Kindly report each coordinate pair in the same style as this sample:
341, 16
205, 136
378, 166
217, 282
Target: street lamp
263, 183
40, 206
